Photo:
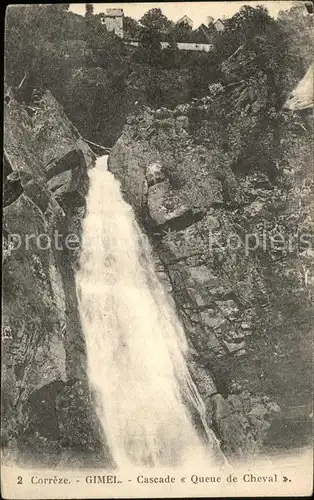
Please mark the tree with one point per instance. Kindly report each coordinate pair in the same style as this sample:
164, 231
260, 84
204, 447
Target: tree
33, 36
107, 48
89, 9
154, 19
298, 26
131, 28
241, 29
254, 46
155, 28
170, 53
180, 32
149, 49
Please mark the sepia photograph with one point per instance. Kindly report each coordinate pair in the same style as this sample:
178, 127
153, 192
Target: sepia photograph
157, 250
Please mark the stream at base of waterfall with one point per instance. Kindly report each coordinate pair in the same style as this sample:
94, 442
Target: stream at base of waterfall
136, 345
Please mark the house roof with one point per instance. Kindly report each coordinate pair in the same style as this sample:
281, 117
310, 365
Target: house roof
114, 12
183, 18
206, 32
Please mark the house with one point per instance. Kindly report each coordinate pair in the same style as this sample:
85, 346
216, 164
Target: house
185, 20
219, 25
113, 20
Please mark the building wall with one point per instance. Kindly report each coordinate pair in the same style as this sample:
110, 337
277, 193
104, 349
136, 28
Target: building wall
219, 25
198, 47
114, 24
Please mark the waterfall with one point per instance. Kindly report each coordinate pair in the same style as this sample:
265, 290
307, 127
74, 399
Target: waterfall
136, 346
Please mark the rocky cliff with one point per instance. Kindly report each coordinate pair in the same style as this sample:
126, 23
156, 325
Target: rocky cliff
48, 412
213, 209
213, 213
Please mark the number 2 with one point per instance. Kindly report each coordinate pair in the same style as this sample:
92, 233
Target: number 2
19, 480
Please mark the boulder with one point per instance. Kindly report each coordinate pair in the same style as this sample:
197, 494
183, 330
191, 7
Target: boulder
163, 203
72, 160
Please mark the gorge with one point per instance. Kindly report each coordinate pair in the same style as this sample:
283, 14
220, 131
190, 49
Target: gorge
225, 309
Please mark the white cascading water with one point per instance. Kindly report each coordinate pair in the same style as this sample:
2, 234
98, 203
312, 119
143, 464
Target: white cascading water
135, 343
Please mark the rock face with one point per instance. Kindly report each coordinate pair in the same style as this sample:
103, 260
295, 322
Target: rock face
48, 413
245, 302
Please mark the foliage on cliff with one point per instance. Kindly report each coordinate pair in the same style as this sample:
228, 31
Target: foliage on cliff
59, 50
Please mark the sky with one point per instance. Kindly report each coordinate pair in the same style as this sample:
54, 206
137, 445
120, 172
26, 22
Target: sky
197, 11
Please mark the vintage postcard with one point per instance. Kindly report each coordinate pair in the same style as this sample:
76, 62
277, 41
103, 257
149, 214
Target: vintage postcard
157, 315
